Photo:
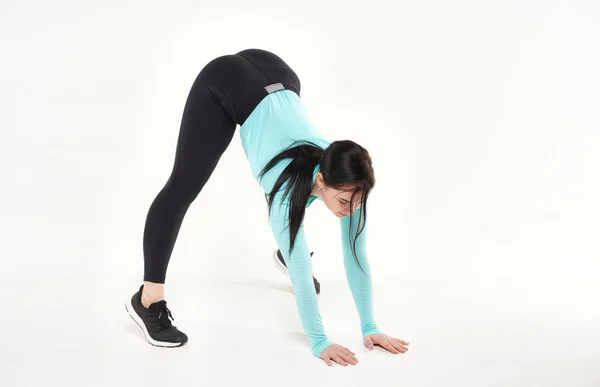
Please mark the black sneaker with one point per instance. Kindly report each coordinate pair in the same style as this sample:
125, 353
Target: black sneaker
280, 264
155, 322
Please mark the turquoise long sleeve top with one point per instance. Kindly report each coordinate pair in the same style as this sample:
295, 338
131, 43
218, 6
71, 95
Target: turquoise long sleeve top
276, 122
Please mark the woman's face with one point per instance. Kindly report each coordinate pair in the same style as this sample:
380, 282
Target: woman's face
338, 201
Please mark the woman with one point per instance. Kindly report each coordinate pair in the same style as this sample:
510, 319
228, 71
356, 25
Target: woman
257, 90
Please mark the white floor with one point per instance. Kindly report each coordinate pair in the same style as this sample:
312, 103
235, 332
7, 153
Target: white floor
244, 330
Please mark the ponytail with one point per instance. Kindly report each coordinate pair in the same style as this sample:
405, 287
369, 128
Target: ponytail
305, 157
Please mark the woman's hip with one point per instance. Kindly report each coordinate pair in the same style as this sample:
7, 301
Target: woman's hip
240, 81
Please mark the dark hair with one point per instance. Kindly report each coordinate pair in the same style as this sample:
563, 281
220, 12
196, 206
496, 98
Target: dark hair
344, 165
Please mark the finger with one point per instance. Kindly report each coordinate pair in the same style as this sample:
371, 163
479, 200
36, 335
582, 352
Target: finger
328, 361
386, 344
397, 346
349, 352
349, 358
339, 360
369, 342
400, 342
352, 357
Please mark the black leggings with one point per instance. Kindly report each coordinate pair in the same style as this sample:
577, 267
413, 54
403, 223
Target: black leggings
223, 95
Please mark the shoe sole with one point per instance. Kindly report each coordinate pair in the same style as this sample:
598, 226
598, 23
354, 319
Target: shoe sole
281, 267
140, 323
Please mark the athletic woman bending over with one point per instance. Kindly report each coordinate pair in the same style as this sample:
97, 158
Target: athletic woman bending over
294, 165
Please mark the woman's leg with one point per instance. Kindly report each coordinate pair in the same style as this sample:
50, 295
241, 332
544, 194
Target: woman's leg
206, 131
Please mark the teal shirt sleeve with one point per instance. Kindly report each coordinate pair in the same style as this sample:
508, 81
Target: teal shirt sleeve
360, 284
299, 265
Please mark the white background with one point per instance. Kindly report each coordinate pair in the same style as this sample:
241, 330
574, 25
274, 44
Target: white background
482, 121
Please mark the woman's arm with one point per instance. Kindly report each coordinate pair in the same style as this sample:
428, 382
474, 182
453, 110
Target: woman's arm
360, 284
299, 265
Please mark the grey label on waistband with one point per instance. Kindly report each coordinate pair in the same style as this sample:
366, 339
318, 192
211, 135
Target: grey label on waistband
274, 87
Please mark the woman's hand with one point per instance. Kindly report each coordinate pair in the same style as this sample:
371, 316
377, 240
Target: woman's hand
338, 354
391, 344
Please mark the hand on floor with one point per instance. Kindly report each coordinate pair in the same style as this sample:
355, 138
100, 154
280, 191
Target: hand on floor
338, 354
393, 345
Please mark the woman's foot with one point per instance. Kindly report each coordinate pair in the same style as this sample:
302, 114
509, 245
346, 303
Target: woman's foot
155, 322
280, 264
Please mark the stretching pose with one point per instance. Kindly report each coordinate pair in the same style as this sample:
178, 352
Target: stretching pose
294, 165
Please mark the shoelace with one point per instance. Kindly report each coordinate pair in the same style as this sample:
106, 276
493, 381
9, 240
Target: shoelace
168, 316
164, 316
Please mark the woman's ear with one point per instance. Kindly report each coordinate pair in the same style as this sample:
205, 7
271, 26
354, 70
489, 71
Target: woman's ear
320, 181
